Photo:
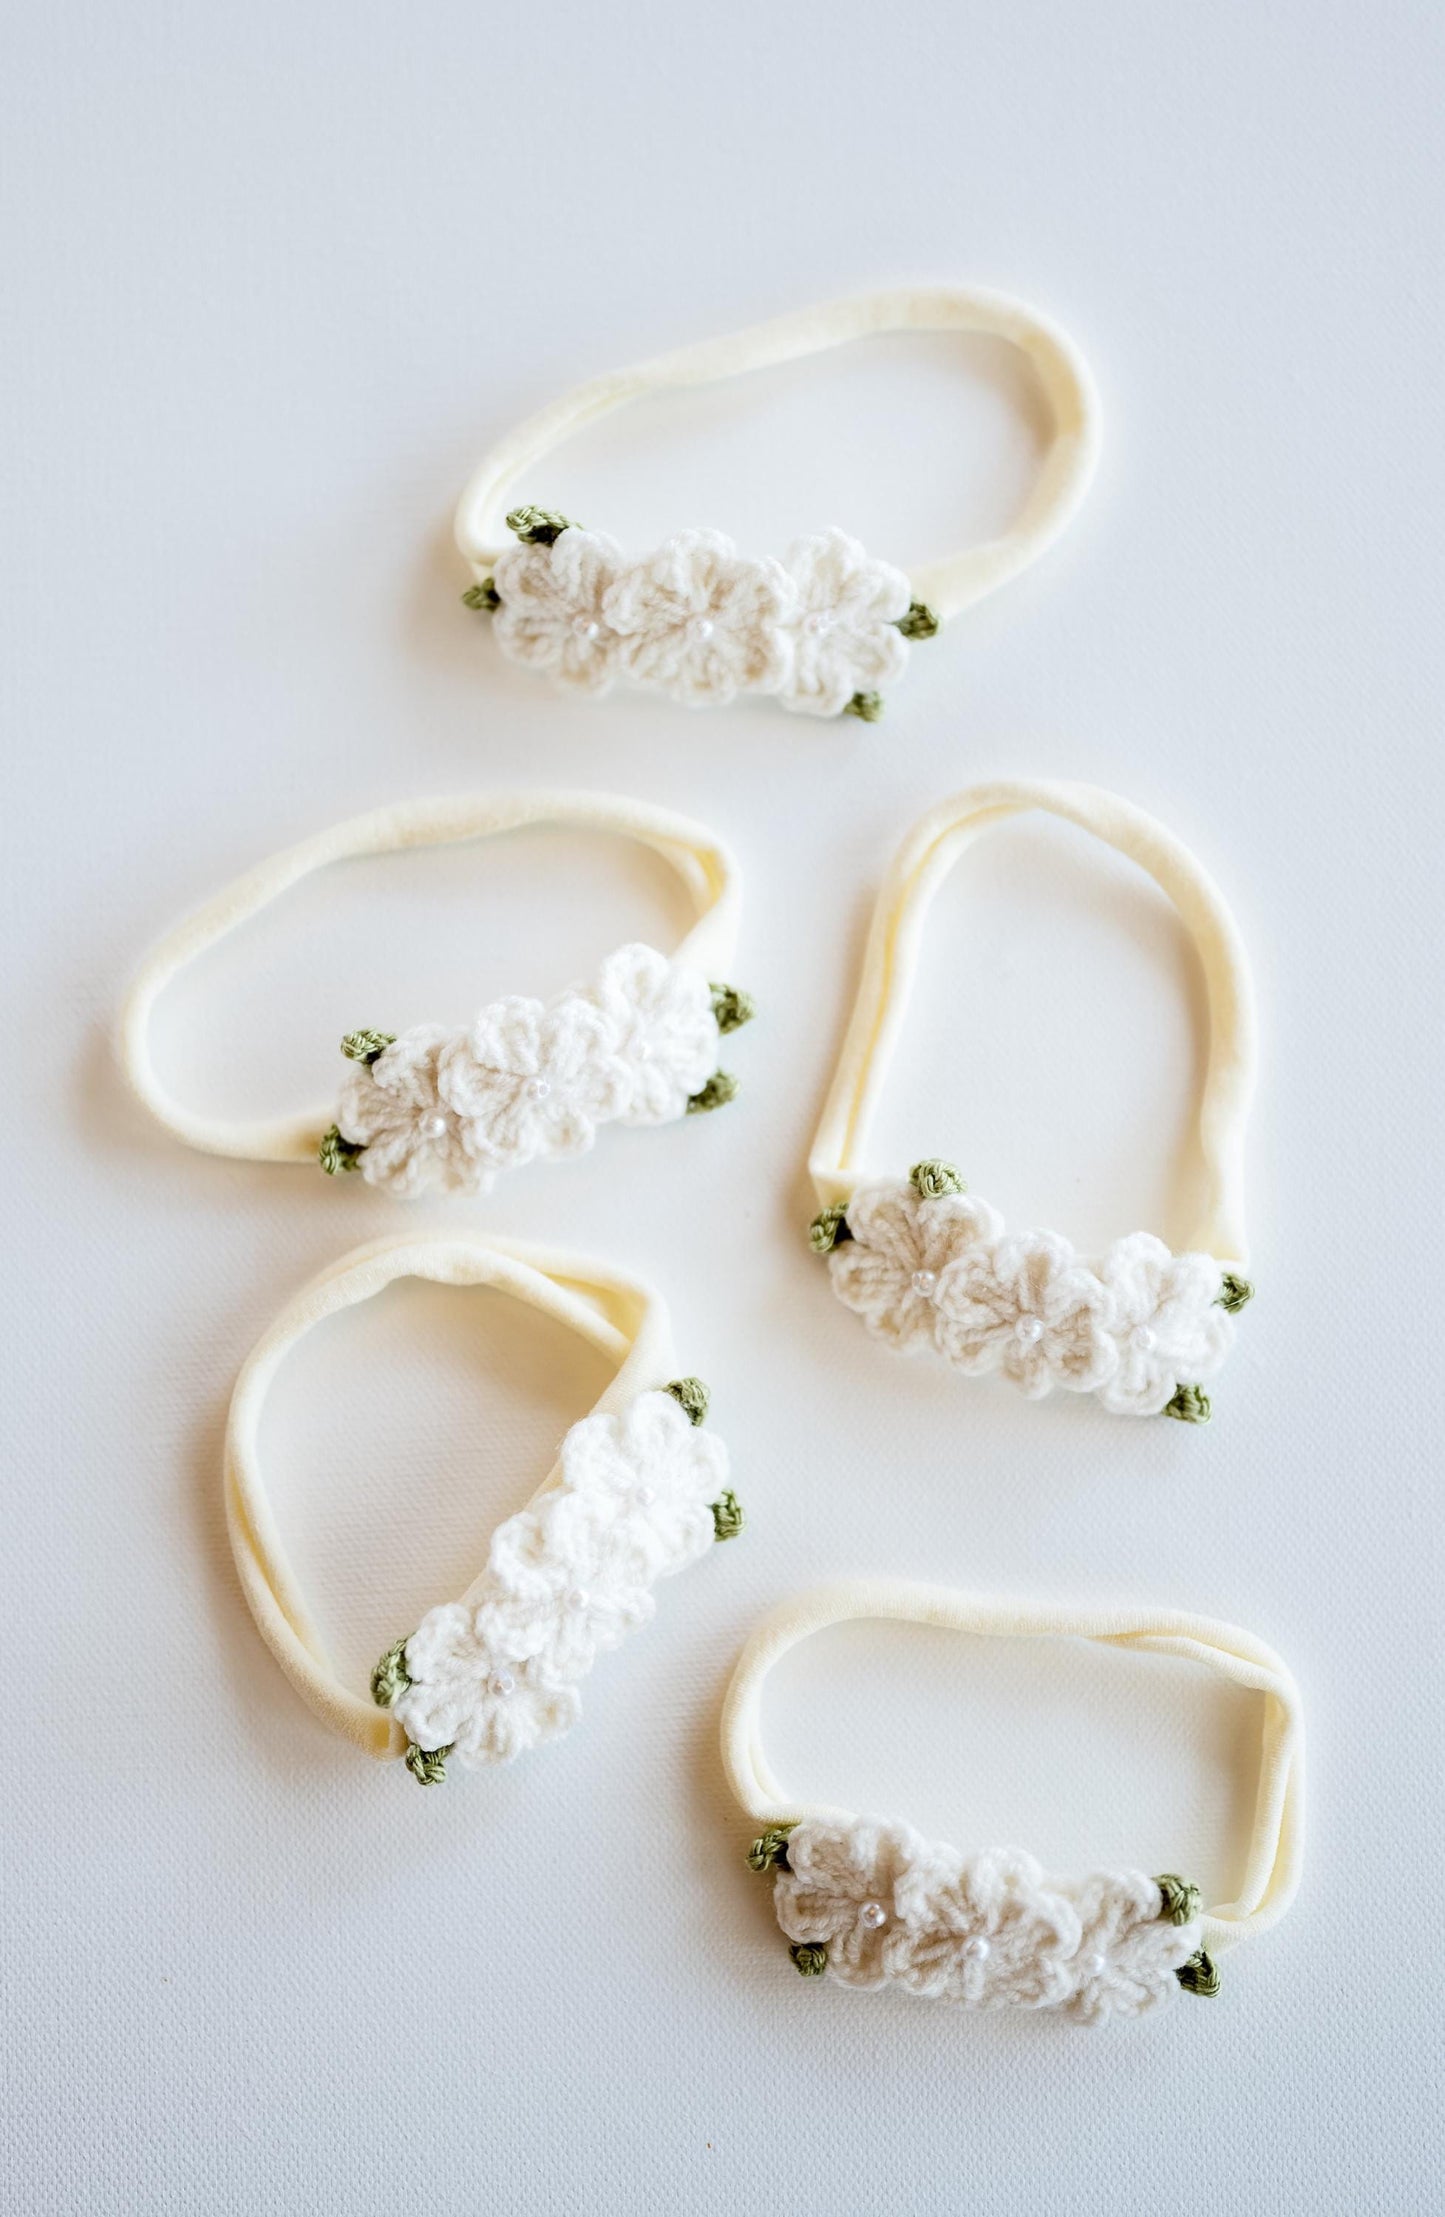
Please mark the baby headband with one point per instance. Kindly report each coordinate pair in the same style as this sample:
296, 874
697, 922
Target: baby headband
874, 1904
433, 1109
926, 1265
638, 1492
820, 632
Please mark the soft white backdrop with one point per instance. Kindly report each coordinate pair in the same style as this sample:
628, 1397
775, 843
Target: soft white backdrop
275, 277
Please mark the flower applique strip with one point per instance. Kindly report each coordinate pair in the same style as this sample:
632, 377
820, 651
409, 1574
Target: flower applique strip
929, 1267
641, 1495
871, 1903
439, 1110
821, 632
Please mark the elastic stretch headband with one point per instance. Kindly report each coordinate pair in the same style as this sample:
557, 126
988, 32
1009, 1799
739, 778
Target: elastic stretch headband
873, 1903
442, 1109
926, 1266
638, 1492
697, 620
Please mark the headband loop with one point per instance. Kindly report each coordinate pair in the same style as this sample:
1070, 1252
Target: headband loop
947, 586
1272, 1862
618, 1315
927, 854
703, 864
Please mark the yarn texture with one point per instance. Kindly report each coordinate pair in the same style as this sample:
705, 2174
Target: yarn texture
566, 1580
700, 622
987, 1931
448, 1111
942, 1273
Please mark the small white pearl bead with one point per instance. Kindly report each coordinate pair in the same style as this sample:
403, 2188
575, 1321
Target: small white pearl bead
873, 1915
1028, 1331
818, 621
977, 1949
701, 629
538, 1090
924, 1282
577, 1597
501, 1683
585, 628
1094, 1965
436, 1127
1144, 1339
645, 1496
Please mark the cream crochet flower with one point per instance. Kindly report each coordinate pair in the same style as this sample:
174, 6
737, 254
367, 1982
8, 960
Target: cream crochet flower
552, 608
891, 1269
477, 1688
1168, 1322
1029, 1308
396, 1110
844, 626
659, 1023
993, 1934
1128, 1953
651, 1476
536, 1080
841, 1891
699, 620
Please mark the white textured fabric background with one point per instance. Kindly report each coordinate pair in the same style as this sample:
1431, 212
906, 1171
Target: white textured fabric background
275, 278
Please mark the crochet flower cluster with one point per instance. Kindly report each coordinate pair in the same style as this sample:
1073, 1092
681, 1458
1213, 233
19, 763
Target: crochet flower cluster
441, 1110
701, 622
640, 1495
928, 1266
874, 1904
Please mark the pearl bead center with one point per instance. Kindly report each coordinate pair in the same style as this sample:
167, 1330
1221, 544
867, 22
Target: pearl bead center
1144, 1338
538, 1090
501, 1683
436, 1127
701, 629
873, 1915
924, 1283
1029, 1331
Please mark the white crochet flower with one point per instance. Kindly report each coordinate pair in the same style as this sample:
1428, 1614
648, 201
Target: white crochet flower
846, 1888
553, 1565
1029, 1308
650, 1476
1128, 1952
699, 620
552, 608
891, 1269
845, 624
535, 1080
660, 1025
475, 1688
992, 1934
1170, 1329
396, 1110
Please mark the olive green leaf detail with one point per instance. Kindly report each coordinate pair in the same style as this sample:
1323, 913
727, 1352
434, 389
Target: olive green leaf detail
920, 623
1190, 1405
721, 1088
336, 1154
540, 527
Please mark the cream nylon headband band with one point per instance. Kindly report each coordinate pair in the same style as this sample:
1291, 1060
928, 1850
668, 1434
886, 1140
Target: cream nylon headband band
1272, 1862
567, 1576
919, 868
702, 623
702, 862
926, 1264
